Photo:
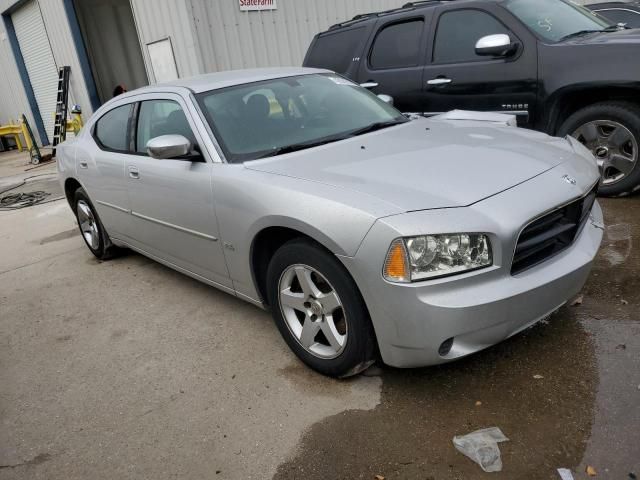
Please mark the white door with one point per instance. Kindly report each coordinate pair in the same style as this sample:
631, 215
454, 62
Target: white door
38, 59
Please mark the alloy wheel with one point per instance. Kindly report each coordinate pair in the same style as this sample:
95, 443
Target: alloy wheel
88, 224
613, 145
312, 311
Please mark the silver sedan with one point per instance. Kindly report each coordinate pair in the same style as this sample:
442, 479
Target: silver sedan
365, 233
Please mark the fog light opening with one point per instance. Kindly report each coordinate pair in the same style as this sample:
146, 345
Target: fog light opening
445, 347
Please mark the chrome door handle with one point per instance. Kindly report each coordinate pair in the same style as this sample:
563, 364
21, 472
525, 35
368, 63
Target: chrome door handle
369, 84
84, 164
439, 81
133, 172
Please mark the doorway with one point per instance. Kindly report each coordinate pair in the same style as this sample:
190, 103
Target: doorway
111, 40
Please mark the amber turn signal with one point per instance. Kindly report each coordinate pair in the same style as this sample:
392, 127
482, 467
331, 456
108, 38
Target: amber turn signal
396, 265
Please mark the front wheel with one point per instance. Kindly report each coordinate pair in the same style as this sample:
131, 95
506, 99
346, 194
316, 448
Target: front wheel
611, 130
319, 311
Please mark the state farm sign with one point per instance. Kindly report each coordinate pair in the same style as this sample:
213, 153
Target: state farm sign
257, 4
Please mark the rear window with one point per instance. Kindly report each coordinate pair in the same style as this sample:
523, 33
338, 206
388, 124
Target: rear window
111, 130
335, 51
398, 45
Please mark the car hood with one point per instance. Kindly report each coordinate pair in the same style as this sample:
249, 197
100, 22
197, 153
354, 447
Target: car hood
426, 164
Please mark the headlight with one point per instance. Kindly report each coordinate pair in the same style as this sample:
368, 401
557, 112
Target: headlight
430, 256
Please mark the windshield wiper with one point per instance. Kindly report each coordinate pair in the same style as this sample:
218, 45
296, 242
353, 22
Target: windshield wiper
323, 141
301, 146
610, 28
377, 126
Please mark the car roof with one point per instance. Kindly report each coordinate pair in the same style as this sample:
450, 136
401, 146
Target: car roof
229, 78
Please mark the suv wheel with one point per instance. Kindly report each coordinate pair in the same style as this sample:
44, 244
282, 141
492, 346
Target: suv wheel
319, 310
612, 132
93, 233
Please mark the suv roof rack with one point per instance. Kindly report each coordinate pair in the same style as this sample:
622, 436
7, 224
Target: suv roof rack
364, 16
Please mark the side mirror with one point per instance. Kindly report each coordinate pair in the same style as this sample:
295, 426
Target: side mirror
386, 98
498, 45
168, 146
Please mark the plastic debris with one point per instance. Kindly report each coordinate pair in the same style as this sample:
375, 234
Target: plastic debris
577, 301
378, 477
478, 403
481, 446
591, 471
565, 474
538, 377
624, 302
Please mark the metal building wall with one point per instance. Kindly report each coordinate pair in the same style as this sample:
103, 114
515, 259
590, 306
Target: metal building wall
213, 35
13, 97
230, 39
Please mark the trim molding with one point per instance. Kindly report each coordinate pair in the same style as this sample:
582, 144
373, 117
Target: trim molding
115, 207
175, 227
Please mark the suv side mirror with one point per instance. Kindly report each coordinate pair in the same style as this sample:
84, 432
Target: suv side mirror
168, 146
498, 45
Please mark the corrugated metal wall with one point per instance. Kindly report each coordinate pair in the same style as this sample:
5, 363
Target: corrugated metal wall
13, 99
212, 35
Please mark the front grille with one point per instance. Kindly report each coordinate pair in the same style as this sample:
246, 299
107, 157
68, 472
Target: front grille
551, 233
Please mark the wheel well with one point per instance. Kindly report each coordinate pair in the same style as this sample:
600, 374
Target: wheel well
569, 103
70, 187
264, 245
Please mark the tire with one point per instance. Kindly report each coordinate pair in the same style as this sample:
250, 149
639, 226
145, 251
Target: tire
91, 228
343, 317
595, 127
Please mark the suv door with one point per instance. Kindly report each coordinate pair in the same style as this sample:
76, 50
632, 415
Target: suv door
172, 208
458, 78
394, 61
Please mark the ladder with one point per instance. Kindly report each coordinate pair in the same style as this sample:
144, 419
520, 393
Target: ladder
60, 128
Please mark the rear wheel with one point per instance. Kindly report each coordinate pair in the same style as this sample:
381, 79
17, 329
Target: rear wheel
93, 233
612, 132
319, 310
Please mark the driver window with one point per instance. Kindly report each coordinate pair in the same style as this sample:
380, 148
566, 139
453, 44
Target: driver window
455, 44
161, 117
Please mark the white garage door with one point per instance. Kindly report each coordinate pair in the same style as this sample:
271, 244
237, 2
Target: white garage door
38, 59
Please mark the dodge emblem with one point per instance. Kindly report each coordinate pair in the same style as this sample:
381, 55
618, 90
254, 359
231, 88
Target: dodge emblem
569, 179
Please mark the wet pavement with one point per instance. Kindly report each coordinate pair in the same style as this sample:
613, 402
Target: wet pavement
566, 392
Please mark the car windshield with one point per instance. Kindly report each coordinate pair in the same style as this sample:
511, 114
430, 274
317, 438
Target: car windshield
556, 20
273, 117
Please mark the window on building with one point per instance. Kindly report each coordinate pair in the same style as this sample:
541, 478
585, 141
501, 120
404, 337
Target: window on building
161, 117
458, 32
335, 51
111, 130
397, 45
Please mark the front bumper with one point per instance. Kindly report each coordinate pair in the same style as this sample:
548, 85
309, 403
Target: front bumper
477, 309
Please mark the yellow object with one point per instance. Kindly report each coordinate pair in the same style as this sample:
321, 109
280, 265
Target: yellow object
15, 130
395, 266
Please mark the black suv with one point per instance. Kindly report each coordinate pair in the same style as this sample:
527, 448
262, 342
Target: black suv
558, 67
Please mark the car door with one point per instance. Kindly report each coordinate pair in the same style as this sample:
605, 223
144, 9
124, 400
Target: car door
100, 164
457, 78
172, 208
394, 61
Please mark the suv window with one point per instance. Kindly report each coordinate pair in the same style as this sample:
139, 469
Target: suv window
161, 117
397, 45
335, 51
111, 129
457, 34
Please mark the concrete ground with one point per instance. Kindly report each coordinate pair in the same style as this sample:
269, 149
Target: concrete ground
126, 369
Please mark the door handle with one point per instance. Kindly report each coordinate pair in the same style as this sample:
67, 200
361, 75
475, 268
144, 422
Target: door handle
83, 164
369, 84
134, 173
439, 81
